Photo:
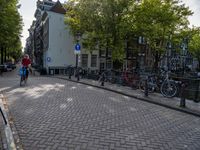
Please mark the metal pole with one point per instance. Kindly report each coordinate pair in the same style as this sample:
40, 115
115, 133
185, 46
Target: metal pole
146, 92
76, 61
103, 79
182, 102
197, 92
167, 58
70, 72
77, 74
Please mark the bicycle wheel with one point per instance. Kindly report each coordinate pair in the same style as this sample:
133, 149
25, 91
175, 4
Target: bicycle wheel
25, 81
21, 80
142, 85
168, 89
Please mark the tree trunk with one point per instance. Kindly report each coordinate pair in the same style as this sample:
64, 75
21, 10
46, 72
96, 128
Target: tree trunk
2, 55
5, 51
156, 57
199, 65
106, 54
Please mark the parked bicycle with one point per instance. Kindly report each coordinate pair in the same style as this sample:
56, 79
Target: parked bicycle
168, 87
130, 79
151, 83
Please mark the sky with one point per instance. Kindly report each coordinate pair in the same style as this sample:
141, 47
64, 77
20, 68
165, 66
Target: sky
27, 11
28, 8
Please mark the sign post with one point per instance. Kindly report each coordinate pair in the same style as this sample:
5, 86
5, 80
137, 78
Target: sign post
77, 52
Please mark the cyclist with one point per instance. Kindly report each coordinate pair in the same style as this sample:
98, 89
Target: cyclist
26, 62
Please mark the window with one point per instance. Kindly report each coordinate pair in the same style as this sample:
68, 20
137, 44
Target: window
102, 53
94, 61
102, 66
84, 60
109, 53
109, 64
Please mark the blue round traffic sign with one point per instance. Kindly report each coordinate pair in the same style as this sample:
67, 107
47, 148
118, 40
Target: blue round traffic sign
78, 47
48, 59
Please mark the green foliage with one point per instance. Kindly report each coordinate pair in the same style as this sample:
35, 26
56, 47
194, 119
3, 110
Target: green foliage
108, 22
100, 21
159, 20
194, 43
11, 26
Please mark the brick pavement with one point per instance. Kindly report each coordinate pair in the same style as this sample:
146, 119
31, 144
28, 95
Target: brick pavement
191, 106
56, 114
8, 81
1, 134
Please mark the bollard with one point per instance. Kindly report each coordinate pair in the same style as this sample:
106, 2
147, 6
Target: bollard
78, 77
77, 74
102, 83
70, 73
146, 92
182, 102
103, 78
197, 93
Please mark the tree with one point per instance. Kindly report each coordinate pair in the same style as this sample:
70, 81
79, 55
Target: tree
158, 21
110, 21
194, 45
10, 29
100, 21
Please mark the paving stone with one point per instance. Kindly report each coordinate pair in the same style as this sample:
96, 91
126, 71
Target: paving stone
57, 114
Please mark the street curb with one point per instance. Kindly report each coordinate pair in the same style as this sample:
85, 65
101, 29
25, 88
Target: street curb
10, 142
184, 110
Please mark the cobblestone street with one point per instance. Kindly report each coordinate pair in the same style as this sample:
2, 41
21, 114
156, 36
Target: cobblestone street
51, 113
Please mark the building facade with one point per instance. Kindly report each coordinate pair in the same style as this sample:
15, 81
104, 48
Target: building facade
51, 46
58, 47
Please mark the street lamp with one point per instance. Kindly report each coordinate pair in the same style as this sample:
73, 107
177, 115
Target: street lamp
77, 52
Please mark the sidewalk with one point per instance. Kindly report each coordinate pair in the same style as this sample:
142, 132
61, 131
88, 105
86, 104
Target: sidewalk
3, 142
155, 98
7, 78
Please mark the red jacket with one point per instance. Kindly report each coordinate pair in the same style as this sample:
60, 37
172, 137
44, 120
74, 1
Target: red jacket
26, 62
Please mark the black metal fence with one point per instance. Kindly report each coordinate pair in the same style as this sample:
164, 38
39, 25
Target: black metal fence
192, 88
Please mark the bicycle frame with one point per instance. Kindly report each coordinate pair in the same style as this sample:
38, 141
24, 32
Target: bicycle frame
23, 72
169, 87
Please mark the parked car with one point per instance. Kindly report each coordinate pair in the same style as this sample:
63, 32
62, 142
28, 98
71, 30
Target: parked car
13, 66
1, 69
9, 67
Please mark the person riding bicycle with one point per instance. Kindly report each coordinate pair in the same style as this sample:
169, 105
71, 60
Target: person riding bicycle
26, 62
